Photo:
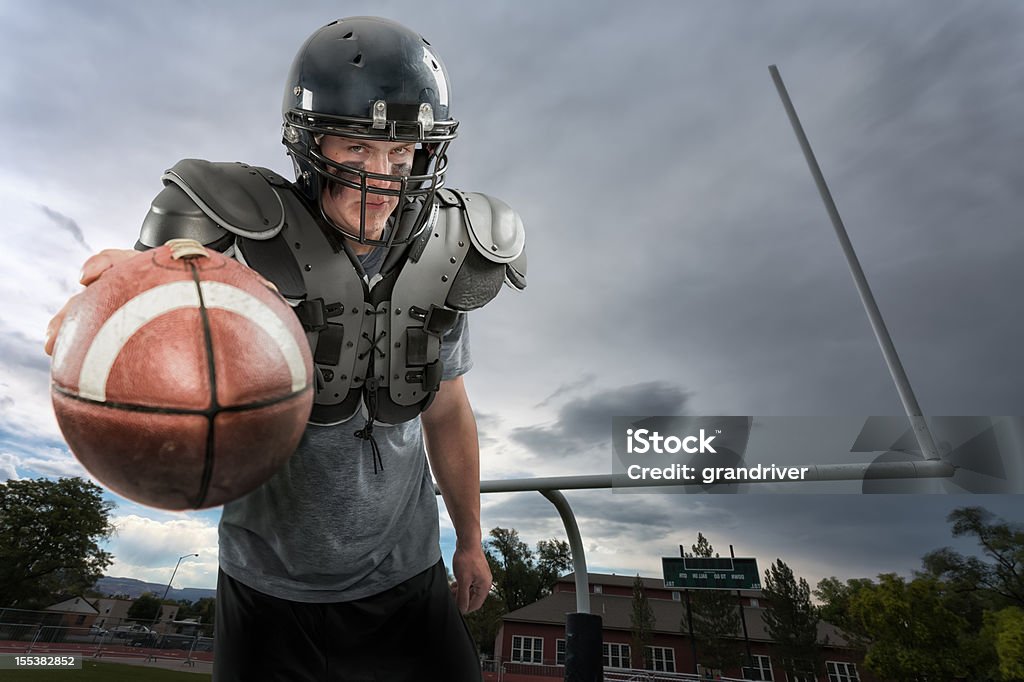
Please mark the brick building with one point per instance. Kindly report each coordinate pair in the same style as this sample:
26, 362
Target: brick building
531, 641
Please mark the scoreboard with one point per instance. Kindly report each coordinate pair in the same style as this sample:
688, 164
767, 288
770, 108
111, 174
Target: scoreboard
718, 573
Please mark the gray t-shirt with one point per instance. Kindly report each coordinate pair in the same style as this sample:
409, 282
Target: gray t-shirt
326, 528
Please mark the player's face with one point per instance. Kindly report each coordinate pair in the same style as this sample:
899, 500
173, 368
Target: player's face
343, 204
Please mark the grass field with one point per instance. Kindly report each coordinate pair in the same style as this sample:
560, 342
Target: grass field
96, 671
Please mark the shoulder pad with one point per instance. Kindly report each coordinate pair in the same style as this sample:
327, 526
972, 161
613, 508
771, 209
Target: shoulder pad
515, 272
495, 229
236, 196
173, 215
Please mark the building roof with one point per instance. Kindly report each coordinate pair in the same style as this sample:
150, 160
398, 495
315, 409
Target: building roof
669, 615
73, 605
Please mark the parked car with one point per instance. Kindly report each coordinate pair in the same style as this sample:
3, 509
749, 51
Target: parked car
97, 631
129, 630
144, 639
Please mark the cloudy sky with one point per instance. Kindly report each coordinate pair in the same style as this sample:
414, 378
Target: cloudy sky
680, 259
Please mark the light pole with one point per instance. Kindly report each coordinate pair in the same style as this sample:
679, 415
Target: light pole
160, 606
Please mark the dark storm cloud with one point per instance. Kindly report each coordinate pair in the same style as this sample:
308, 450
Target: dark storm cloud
702, 247
644, 518
586, 421
66, 224
919, 158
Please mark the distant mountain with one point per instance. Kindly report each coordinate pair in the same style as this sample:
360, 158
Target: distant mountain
135, 588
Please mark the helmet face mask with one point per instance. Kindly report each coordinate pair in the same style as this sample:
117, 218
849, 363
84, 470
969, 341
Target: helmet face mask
366, 78
414, 189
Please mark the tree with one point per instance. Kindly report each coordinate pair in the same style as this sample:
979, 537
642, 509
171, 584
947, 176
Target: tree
553, 559
49, 539
913, 634
641, 620
702, 548
980, 587
716, 620
1002, 577
202, 611
520, 576
1007, 631
511, 562
187, 609
145, 609
836, 598
791, 619
207, 613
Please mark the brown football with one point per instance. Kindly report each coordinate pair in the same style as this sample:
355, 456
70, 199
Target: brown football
180, 379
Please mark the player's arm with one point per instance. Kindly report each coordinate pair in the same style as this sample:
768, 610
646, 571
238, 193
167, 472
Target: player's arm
449, 429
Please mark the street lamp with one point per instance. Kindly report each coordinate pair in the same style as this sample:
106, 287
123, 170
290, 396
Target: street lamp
160, 606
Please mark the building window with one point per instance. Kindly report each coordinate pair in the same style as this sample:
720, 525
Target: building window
598, 589
527, 649
661, 659
616, 655
803, 671
559, 652
763, 667
79, 620
676, 596
754, 603
709, 673
839, 671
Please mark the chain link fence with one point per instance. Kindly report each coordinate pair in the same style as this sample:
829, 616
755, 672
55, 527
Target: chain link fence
37, 631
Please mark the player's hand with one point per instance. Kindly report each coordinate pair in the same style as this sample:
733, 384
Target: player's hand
91, 271
472, 578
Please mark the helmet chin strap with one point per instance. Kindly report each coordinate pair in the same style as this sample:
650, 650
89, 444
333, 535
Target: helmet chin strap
406, 219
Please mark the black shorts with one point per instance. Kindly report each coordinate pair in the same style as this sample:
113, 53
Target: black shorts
413, 631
